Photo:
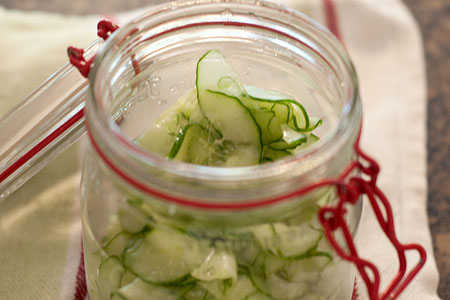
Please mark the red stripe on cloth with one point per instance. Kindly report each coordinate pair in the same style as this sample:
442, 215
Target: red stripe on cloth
80, 288
331, 18
355, 295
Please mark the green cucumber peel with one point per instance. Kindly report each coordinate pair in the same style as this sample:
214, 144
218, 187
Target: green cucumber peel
275, 103
309, 254
258, 286
118, 296
291, 115
118, 243
139, 289
179, 141
110, 272
283, 145
294, 117
314, 136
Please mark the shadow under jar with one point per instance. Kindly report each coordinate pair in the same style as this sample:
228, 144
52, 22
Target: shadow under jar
155, 228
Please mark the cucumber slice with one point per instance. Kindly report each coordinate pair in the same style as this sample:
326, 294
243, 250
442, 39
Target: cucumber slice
141, 290
289, 242
242, 289
217, 288
289, 128
269, 124
117, 244
265, 236
265, 116
219, 94
215, 73
110, 274
197, 293
298, 118
274, 265
237, 125
296, 240
165, 256
307, 213
197, 145
230, 86
246, 252
131, 219
311, 139
281, 109
260, 94
189, 138
314, 123
282, 145
307, 269
304, 270
272, 285
134, 242
291, 139
259, 296
112, 229
270, 154
311, 296
116, 296
220, 265
284, 290
127, 278
161, 135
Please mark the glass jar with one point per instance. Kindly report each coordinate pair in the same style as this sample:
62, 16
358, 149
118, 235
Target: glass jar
156, 228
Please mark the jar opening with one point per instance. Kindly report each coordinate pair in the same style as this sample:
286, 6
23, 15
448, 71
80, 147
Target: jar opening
253, 34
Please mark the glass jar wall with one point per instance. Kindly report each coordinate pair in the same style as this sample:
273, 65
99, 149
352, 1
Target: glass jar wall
156, 228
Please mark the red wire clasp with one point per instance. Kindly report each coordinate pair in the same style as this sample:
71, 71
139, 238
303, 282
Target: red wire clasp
76, 55
332, 218
104, 29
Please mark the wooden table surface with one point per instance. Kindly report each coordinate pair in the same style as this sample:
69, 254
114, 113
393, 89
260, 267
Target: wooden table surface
434, 20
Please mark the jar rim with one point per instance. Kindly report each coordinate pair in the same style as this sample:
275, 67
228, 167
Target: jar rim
98, 120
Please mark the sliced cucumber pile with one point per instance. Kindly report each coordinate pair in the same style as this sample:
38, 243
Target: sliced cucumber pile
152, 260
224, 123
219, 123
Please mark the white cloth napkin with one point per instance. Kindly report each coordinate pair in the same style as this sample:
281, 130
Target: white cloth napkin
385, 45
40, 236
